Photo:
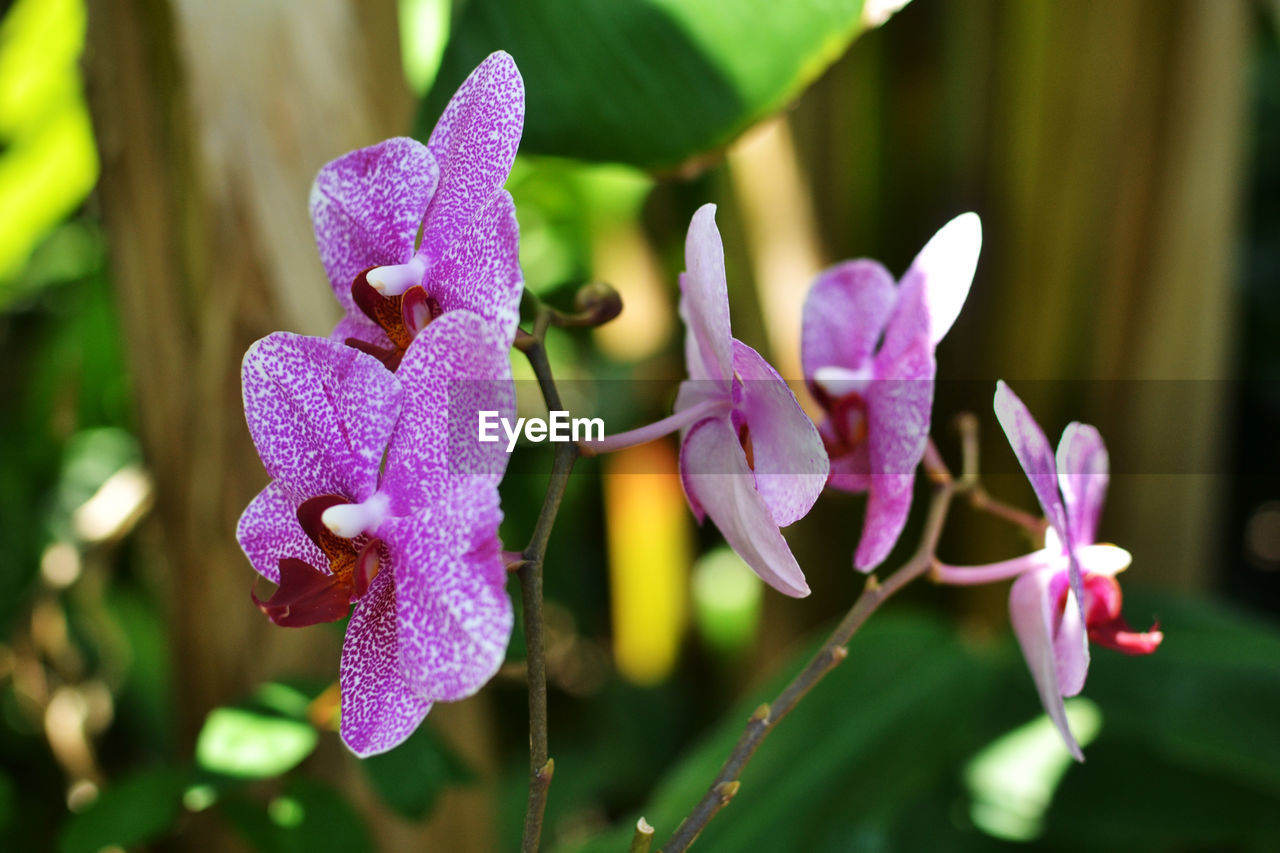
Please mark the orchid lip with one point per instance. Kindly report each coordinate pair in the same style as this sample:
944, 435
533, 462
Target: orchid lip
1101, 559
839, 381
395, 279
350, 520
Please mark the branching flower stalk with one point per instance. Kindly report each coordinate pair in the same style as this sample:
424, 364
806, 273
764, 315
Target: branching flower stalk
541, 765
834, 650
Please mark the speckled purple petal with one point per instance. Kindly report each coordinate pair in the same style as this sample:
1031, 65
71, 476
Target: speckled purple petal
269, 531
320, 414
714, 471
704, 300
480, 271
844, 315
934, 288
454, 614
367, 207
379, 710
458, 366
899, 404
1031, 610
475, 144
1034, 454
1082, 476
790, 462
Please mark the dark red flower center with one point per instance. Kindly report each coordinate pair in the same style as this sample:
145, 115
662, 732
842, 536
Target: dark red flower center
847, 415
306, 595
1104, 621
401, 317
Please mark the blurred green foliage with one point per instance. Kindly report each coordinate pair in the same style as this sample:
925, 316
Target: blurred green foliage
307, 817
411, 777
132, 811
880, 757
48, 162
652, 83
871, 759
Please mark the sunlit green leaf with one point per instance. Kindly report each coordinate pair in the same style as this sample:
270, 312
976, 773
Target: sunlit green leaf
653, 83
49, 161
250, 743
727, 597
1013, 779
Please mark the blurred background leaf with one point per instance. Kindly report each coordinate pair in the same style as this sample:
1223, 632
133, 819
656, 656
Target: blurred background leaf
266, 736
411, 777
306, 817
129, 812
652, 83
868, 760
48, 162
1105, 144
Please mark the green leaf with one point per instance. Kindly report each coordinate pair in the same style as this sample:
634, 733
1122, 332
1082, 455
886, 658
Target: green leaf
883, 728
308, 817
126, 813
1125, 798
48, 162
411, 777
249, 743
653, 83
1206, 699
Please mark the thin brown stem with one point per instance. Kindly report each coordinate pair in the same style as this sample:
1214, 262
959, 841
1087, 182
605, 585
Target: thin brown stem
834, 650
1034, 525
970, 484
541, 766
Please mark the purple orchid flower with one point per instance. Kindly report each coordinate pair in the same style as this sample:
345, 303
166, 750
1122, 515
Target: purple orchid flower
878, 399
377, 501
369, 207
750, 458
1066, 594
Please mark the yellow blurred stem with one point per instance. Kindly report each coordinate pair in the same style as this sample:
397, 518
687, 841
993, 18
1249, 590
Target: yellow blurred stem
650, 546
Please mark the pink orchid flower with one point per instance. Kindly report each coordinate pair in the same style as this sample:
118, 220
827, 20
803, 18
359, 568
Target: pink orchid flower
750, 459
868, 353
370, 206
377, 501
1066, 594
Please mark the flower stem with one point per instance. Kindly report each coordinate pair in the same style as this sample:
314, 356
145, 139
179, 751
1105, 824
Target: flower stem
643, 837
993, 572
832, 652
1034, 525
657, 429
541, 766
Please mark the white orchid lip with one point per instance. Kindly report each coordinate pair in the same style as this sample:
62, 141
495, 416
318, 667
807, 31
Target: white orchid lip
1102, 559
395, 279
350, 520
839, 381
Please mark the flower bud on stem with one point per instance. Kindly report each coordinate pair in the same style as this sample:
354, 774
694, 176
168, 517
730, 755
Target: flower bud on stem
595, 304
